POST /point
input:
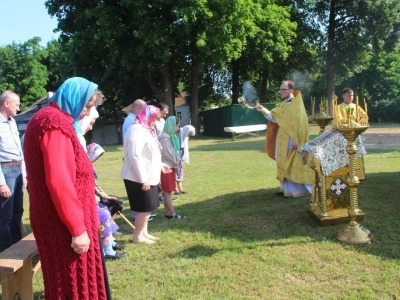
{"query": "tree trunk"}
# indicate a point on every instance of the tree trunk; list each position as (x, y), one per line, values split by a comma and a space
(194, 96)
(159, 94)
(264, 83)
(235, 82)
(167, 89)
(331, 57)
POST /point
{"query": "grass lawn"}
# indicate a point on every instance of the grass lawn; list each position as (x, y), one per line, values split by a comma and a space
(241, 241)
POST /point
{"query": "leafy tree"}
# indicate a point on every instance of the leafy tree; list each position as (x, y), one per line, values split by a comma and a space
(58, 63)
(21, 70)
(355, 30)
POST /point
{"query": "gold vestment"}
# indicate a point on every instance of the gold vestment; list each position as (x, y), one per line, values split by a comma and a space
(291, 122)
(340, 116)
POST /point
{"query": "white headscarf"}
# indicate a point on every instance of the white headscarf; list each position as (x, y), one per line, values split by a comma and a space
(184, 137)
(85, 123)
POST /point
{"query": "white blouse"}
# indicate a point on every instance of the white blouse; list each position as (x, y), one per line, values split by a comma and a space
(142, 156)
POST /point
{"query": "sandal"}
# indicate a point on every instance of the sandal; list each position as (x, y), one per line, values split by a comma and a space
(176, 217)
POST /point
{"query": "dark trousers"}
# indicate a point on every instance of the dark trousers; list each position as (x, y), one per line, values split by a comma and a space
(11, 209)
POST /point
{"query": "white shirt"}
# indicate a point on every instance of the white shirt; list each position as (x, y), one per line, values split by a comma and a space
(142, 156)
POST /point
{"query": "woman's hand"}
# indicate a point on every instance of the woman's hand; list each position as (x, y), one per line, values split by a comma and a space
(80, 243)
(165, 169)
(146, 186)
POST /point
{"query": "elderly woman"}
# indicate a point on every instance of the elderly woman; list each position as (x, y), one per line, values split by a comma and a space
(141, 170)
(170, 148)
(63, 212)
(184, 134)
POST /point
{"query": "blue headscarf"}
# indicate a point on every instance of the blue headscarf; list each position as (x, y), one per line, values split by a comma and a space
(72, 96)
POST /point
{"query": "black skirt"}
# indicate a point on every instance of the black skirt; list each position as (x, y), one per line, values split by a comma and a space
(139, 200)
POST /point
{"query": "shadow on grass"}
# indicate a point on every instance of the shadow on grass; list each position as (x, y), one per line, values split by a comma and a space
(262, 216)
(244, 144)
(196, 252)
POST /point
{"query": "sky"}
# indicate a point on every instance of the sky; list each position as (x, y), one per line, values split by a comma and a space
(21, 20)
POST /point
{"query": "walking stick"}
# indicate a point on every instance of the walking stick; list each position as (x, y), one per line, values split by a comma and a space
(126, 220)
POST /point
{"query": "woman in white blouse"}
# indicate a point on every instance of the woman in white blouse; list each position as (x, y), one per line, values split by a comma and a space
(141, 170)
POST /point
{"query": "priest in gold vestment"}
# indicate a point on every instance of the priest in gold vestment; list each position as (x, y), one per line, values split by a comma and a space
(287, 131)
(340, 117)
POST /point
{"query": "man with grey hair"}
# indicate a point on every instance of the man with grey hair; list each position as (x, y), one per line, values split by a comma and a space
(136, 107)
(12, 172)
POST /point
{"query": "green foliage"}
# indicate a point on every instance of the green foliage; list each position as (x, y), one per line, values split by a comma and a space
(21, 70)
(385, 111)
(58, 63)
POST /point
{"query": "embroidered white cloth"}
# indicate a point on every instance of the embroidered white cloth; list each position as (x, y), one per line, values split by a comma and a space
(330, 150)
(247, 128)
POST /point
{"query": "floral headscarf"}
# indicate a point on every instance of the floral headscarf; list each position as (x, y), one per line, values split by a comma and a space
(72, 96)
(145, 117)
(169, 128)
(94, 151)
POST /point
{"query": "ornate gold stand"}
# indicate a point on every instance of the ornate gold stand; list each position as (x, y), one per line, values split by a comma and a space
(315, 196)
(353, 232)
(322, 122)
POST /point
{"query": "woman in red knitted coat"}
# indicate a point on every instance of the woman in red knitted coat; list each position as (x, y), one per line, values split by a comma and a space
(63, 211)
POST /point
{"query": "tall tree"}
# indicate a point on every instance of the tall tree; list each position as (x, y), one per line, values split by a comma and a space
(58, 64)
(355, 29)
(21, 70)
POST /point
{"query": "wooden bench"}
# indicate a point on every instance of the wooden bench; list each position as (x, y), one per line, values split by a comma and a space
(16, 269)
(248, 129)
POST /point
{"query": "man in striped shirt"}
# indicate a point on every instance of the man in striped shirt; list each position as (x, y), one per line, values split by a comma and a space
(12, 172)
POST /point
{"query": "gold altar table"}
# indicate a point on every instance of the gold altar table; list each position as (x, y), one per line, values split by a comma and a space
(327, 156)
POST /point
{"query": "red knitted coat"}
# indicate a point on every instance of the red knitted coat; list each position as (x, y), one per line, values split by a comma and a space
(66, 274)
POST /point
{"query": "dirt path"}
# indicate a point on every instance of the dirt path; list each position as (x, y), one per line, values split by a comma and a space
(386, 138)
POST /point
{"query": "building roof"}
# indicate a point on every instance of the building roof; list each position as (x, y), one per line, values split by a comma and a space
(181, 99)
(27, 114)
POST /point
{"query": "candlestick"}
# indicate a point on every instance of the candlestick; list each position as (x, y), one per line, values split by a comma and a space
(313, 106)
(357, 114)
(365, 107)
(320, 107)
(334, 112)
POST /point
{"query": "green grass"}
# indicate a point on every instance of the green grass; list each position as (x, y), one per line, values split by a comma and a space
(241, 241)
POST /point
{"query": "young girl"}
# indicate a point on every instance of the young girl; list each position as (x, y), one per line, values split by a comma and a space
(169, 155)
(107, 224)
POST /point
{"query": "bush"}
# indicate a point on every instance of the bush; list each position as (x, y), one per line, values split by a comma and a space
(385, 111)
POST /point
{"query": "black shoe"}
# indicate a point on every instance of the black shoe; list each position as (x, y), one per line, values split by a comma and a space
(279, 193)
(117, 255)
(176, 217)
(118, 247)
